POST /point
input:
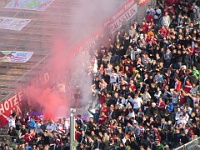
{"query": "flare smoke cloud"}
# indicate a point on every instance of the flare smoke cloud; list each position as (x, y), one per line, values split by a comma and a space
(66, 72)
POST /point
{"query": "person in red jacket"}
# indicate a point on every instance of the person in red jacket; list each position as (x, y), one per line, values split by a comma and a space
(144, 27)
(132, 86)
(161, 105)
(104, 109)
(77, 135)
(178, 84)
(29, 136)
(163, 31)
(191, 50)
(148, 17)
(183, 97)
(103, 118)
(188, 86)
(102, 98)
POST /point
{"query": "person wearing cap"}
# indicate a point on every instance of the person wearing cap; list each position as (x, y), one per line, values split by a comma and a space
(159, 146)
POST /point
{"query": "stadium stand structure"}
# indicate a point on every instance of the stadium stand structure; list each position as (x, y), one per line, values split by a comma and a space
(35, 37)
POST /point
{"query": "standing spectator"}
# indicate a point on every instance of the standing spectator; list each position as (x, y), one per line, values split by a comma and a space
(178, 114)
(10, 119)
(159, 146)
(146, 96)
(137, 102)
(169, 106)
(150, 9)
(162, 32)
(159, 77)
(165, 20)
(157, 95)
(51, 126)
(29, 136)
(161, 105)
(148, 17)
(132, 31)
(32, 123)
(96, 115)
(194, 15)
(178, 84)
(188, 86)
(157, 15)
(187, 59)
(168, 57)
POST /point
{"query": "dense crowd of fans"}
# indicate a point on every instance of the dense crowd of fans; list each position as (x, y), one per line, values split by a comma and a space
(145, 92)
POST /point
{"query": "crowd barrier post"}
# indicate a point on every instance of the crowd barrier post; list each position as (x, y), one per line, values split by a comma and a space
(72, 129)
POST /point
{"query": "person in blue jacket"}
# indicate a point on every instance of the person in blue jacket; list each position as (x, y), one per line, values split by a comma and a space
(31, 123)
(96, 115)
(170, 106)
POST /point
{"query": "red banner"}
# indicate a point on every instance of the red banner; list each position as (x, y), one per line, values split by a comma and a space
(9, 106)
(142, 2)
(14, 103)
(123, 14)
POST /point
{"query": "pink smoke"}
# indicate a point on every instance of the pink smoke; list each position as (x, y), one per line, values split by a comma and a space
(65, 69)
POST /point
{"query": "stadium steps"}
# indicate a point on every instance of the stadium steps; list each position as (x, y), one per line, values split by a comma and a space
(35, 37)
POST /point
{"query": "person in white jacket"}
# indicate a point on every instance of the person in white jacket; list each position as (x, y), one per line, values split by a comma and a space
(166, 20)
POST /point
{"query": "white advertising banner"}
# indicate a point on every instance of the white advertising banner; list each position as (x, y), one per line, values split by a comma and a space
(37, 5)
(123, 14)
(15, 56)
(16, 24)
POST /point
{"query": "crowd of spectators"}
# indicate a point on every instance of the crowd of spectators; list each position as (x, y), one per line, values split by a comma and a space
(145, 92)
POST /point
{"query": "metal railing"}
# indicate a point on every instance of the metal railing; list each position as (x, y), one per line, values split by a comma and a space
(192, 145)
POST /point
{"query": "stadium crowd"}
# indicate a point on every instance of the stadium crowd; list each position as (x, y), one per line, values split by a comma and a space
(145, 92)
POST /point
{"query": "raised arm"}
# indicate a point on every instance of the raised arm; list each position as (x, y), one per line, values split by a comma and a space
(90, 111)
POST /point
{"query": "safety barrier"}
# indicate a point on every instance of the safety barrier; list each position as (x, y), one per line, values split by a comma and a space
(192, 145)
